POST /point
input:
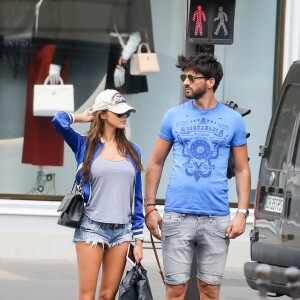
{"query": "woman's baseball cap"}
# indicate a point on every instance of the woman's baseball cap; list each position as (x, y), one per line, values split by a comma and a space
(113, 101)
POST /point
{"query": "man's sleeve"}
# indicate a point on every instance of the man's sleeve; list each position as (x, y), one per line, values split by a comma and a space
(239, 137)
(166, 127)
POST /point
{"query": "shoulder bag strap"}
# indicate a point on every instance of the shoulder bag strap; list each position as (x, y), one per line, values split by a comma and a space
(119, 36)
(73, 187)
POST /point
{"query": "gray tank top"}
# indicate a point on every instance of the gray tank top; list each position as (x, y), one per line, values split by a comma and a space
(111, 191)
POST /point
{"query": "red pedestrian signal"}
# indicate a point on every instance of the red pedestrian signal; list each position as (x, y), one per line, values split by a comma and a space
(199, 17)
(210, 21)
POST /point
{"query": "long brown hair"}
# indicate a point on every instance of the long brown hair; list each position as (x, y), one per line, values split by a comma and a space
(94, 138)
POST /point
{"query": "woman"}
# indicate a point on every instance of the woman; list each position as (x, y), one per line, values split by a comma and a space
(109, 167)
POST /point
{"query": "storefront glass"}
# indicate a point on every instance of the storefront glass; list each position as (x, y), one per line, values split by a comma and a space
(80, 36)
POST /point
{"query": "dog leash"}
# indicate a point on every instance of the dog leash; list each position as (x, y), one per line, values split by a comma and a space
(157, 259)
(154, 249)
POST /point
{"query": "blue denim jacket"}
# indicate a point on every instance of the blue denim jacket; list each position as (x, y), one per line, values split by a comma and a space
(78, 143)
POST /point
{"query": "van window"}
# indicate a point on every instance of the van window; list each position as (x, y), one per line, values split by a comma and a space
(283, 127)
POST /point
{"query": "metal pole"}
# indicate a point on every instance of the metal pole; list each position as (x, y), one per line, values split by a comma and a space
(263, 276)
(292, 275)
(190, 49)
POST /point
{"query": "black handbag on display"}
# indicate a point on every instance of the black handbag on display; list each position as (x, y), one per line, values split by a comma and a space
(135, 285)
(71, 209)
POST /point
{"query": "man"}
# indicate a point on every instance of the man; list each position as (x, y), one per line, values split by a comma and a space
(197, 217)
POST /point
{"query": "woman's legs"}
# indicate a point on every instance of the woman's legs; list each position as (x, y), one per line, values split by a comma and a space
(89, 260)
(112, 270)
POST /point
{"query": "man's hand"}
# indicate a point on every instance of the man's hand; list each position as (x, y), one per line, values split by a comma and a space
(237, 226)
(153, 221)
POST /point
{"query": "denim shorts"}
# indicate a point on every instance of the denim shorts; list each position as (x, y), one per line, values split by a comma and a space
(182, 234)
(109, 235)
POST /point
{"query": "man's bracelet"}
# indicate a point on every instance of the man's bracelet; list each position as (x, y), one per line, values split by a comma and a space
(149, 204)
(147, 214)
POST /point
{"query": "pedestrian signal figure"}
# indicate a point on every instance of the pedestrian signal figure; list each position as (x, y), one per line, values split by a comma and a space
(199, 16)
(222, 17)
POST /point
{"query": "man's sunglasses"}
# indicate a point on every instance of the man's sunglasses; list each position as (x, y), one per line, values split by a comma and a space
(127, 113)
(190, 77)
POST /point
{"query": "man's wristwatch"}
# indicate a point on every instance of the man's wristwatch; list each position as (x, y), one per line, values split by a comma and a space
(244, 211)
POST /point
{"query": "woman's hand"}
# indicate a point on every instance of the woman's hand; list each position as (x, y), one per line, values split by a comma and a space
(138, 251)
(86, 116)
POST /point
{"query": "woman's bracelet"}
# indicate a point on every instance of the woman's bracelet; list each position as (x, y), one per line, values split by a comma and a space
(147, 214)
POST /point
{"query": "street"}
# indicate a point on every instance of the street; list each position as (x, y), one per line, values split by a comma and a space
(57, 280)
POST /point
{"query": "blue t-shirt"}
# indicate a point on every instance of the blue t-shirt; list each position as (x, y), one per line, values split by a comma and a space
(201, 146)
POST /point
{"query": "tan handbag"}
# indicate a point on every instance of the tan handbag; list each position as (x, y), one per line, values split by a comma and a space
(49, 99)
(141, 63)
(144, 63)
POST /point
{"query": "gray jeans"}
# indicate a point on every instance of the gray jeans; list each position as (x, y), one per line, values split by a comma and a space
(182, 234)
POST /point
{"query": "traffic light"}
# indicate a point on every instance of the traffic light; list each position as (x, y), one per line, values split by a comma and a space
(210, 21)
(244, 112)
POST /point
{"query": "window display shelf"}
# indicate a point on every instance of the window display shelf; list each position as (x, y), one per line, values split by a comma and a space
(31, 197)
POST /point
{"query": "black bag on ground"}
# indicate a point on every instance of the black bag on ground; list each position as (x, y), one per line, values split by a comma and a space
(135, 285)
(71, 209)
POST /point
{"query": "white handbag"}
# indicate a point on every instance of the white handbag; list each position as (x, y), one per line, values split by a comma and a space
(49, 99)
(144, 63)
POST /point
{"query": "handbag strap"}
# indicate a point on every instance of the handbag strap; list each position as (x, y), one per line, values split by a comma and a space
(145, 45)
(157, 259)
(119, 37)
(74, 184)
(80, 188)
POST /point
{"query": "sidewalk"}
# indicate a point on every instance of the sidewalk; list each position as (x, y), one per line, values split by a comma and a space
(52, 279)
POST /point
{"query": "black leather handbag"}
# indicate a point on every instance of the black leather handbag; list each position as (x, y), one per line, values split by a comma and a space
(71, 209)
(135, 285)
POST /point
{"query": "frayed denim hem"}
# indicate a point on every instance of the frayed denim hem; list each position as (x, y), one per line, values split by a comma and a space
(118, 243)
(93, 243)
(108, 235)
(104, 244)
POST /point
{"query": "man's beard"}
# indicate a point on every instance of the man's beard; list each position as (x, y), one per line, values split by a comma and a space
(197, 94)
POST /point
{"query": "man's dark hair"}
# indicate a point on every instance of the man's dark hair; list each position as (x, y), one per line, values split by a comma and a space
(202, 63)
